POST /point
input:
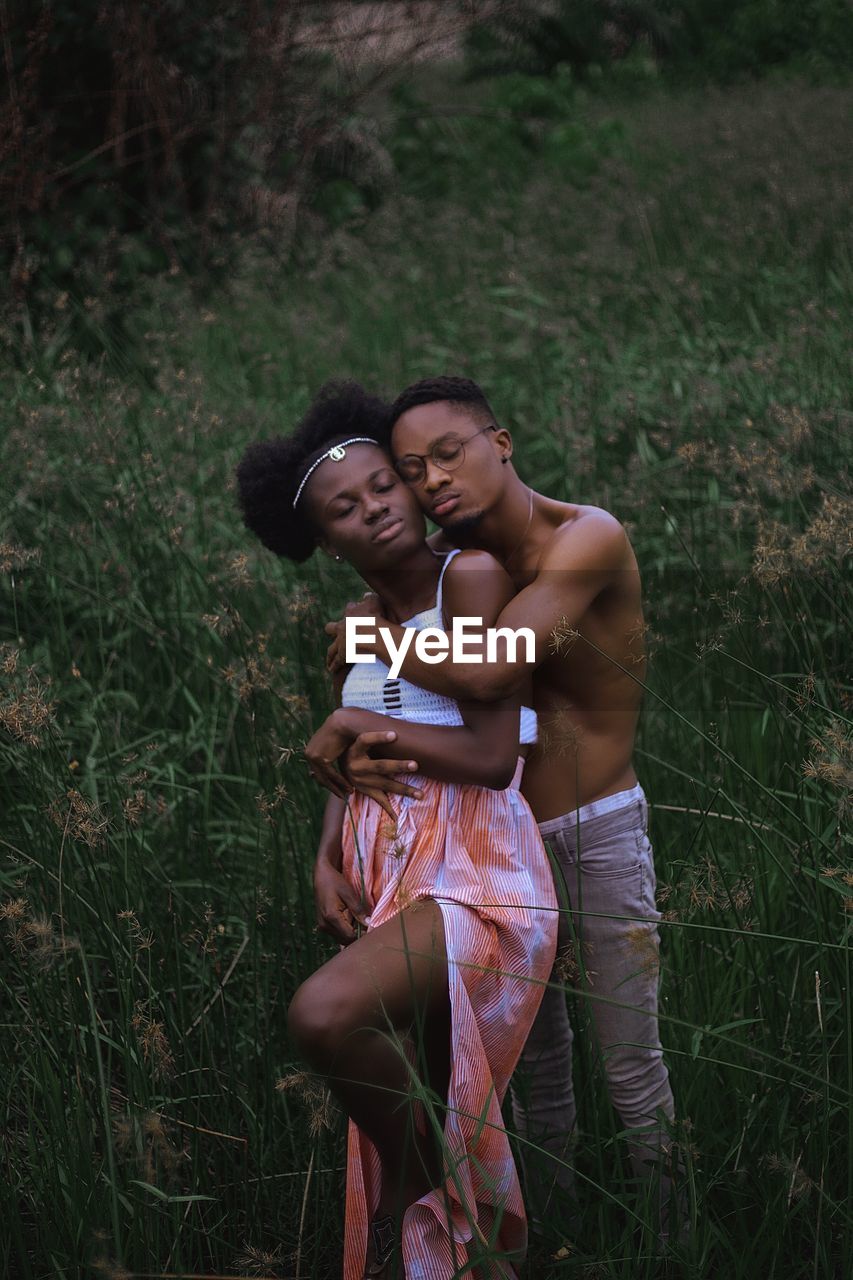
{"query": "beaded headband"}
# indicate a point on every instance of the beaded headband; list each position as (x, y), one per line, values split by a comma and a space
(337, 453)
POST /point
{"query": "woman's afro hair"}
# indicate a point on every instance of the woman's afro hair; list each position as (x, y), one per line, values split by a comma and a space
(270, 471)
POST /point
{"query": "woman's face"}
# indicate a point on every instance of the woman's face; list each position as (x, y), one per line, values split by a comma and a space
(363, 510)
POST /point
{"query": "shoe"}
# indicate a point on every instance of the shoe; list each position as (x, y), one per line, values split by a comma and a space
(382, 1246)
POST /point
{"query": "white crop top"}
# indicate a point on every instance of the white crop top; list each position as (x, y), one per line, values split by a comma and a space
(368, 684)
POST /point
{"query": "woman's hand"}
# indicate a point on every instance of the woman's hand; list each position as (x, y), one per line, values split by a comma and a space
(339, 907)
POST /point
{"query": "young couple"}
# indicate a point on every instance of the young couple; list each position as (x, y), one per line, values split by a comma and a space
(430, 837)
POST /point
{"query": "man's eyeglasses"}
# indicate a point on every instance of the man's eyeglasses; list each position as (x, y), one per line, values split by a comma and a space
(447, 453)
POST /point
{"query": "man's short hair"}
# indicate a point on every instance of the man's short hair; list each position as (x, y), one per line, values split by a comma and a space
(458, 391)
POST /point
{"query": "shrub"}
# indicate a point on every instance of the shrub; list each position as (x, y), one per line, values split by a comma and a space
(143, 138)
(583, 34)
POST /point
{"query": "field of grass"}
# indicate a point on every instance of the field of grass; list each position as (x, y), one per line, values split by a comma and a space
(666, 331)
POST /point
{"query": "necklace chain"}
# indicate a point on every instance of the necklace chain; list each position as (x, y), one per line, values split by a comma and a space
(524, 535)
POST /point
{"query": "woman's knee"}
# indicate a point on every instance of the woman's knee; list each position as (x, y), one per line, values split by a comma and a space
(320, 1019)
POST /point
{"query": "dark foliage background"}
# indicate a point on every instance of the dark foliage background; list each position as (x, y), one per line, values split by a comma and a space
(142, 138)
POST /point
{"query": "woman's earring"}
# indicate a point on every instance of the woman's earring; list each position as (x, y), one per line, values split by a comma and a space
(504, 459)
(337, 557)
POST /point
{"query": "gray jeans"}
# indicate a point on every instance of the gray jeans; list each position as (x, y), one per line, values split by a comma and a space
(608, 952)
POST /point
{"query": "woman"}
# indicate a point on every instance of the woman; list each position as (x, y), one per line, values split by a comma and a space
(448, 874)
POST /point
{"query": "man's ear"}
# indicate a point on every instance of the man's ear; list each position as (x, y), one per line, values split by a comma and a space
(503, 440)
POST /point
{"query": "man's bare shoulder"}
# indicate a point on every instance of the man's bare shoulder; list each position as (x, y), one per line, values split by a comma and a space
(589, 538)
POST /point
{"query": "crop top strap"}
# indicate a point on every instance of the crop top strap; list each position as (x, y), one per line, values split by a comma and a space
(447, 559)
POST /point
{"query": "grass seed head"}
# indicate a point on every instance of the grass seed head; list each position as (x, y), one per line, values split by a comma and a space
(26, 712)
(560, 735)
(643, 943)
(566, 968)
(322, 1108)
(133, 808)
(81, 818)
(831, 761)
(253, 1261)
(563, 638)
(14, 557)
(152, 1039)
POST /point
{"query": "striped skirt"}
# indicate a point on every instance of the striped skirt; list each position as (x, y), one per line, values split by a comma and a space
(478, 853)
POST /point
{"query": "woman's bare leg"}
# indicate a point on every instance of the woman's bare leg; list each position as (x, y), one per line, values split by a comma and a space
(392, 979)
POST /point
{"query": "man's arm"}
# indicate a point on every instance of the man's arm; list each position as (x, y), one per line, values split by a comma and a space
(483, 751)
(581, 560)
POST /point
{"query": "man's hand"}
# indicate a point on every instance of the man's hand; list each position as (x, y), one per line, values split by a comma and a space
(366, 607)
(375, 778)
(330, 742)
(339, 907)
(322, 751)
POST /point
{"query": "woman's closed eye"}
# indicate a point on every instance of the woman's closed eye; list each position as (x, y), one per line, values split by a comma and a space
(344, 510)
(388, 482)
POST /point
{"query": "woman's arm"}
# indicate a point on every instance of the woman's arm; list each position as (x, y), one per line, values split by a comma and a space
(330, 849)
(338, 905)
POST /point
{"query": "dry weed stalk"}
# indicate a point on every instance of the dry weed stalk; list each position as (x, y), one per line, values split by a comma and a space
(25, 710)
(34, 936)
(133, 807)
(820, 548)
(832, 761)
(142, 939)
(144, 1140)
(300, 603)
(152, 1040)
(800, 1184)
(322, 1108)
(268, 805)
(207, 939)
(14, 557)
(253, 1261)
(560, 735)
(563, 638)
(642, 942)
(82, 819)
(566, 967)
(706, 890)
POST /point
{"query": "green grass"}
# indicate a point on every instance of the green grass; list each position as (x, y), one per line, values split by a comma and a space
(665, 335)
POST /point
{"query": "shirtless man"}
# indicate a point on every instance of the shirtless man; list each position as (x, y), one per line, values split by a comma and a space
(579, 591)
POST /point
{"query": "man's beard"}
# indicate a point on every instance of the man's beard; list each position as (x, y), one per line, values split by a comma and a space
(465, 528)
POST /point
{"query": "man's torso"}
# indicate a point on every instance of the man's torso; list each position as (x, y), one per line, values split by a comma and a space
(587, 692)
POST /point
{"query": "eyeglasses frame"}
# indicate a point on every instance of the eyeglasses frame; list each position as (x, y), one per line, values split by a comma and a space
(422, 457)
